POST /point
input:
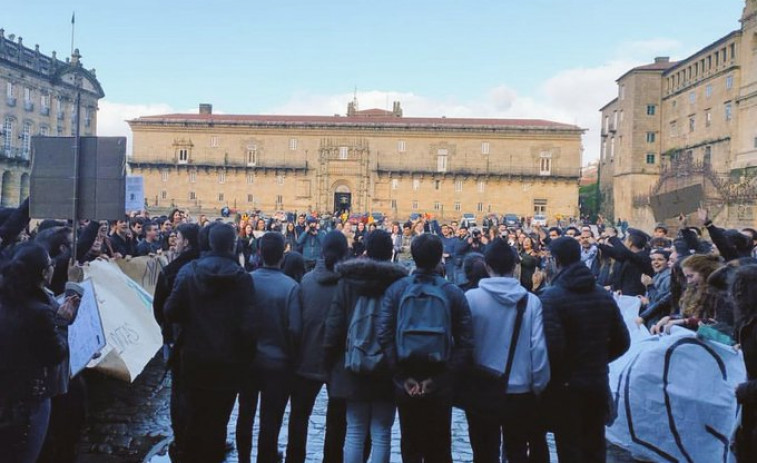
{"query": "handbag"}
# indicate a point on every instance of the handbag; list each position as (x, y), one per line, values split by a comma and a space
(483, 391)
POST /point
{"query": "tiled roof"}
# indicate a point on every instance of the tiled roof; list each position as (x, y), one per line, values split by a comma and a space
(355, 121)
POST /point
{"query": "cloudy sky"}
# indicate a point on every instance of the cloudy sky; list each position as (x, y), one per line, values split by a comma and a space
(545, 59)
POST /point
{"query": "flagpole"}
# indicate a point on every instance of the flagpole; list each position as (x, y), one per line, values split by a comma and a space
(73, 26)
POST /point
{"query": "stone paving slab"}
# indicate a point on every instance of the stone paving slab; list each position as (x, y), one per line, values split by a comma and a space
(128, 422)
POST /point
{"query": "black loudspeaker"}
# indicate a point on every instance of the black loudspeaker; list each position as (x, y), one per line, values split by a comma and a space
(101, 180)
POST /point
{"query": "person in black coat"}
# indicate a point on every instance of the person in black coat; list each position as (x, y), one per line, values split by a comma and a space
(634, 262)
(744, 290)
(33, 351)
(212, 301)
(424, 390)
(187, 248)
(595, 334)
(317, 290)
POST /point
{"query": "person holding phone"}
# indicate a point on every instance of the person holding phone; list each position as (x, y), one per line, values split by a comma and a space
(33, 351)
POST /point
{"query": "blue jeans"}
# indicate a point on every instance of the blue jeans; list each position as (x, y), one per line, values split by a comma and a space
(362, 416)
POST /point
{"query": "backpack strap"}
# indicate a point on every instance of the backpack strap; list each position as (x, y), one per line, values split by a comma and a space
(521, 308)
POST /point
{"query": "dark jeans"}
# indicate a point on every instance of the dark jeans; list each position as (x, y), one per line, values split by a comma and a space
(178, 410)
(425, 427)
(304, 393)
(579, 418)
(274, 388)
(67, 419)
(207, 416)
(22, 430)
(519, 428)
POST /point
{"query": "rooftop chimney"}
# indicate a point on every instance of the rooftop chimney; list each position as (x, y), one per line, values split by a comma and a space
(206, 108)
(662, 59)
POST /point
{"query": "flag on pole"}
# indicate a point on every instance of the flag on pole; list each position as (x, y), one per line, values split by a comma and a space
(73, 17)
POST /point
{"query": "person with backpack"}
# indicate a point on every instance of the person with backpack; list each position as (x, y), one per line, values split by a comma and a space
(510, 364)
(426, 336)
(359, 370)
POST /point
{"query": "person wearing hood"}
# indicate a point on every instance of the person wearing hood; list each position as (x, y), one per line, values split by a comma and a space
(212, 301)
(317, 290)
(511, 376)
(369, 396)
(578, 396)
(278, 328)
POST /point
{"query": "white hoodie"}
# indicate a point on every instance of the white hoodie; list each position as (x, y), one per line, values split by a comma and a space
(493, 308)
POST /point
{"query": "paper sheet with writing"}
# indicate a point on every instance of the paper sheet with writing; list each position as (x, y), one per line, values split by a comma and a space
(85, 336)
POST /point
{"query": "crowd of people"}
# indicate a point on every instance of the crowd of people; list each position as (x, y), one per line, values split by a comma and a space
(515, 325)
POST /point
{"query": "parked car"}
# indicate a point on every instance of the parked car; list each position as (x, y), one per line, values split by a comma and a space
(469, 220)
(539, 219)
(511, 220)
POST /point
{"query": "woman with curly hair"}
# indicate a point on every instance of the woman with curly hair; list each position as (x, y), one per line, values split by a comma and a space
(696, 304)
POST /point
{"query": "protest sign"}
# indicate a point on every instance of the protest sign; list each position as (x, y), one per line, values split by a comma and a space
(135, 193)
(674, 394)
(131, 333)
(85, 336)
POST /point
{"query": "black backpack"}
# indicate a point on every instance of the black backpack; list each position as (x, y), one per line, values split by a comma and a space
(363, 354)
(424, 322)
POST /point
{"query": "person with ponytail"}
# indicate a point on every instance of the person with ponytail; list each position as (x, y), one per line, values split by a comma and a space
(33, 351)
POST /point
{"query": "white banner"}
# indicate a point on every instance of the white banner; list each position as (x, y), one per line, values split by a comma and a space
(675, 395)
(131, 333)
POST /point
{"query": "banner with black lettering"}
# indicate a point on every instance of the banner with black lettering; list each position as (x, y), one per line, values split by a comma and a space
(674, 394)
(132, 336)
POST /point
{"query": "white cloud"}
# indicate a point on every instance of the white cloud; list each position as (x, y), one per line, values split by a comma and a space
(112, 117)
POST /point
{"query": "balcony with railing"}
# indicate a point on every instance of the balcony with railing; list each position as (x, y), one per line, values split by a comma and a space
(44, 110)
(28, 105)
(499, 171)
(226, 161)
(10, 101)
(14, 154)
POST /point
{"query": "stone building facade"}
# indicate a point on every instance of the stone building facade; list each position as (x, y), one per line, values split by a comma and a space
(685, 133)
(366, 161)
(40, 95)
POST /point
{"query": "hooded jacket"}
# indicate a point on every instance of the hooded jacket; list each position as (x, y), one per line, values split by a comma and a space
(594, 330)
(359, 277)
(213, 302)
(493, 312)
(317, 290)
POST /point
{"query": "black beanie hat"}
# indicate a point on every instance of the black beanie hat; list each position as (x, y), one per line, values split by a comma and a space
(565, 250)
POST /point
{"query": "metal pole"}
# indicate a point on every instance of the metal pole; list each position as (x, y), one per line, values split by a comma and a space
(598, 197)
(77, 143)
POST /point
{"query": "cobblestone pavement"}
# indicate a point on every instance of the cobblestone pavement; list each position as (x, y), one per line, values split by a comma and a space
(128, 422)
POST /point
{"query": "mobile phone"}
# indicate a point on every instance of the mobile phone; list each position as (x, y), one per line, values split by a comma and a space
(74, 289)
